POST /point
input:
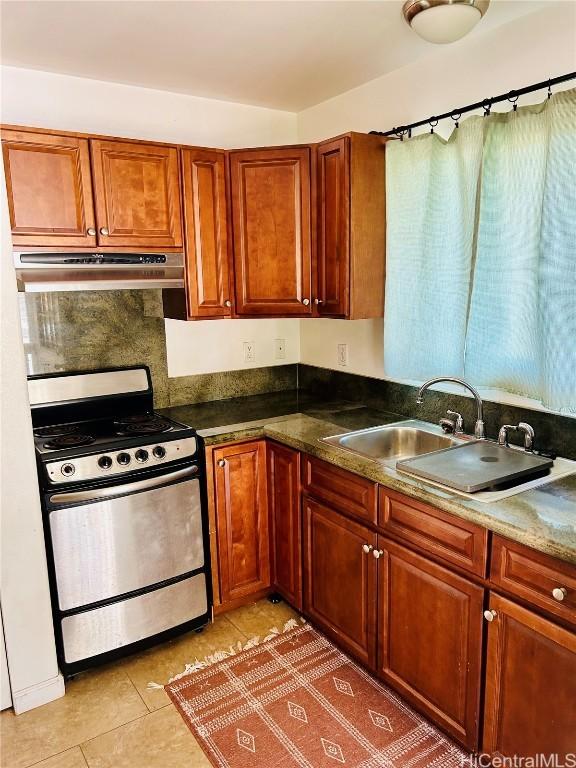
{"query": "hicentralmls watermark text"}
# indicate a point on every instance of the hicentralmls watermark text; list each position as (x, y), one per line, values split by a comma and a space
(483, 760)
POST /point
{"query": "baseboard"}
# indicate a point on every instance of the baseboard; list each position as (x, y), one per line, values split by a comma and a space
(36, 695)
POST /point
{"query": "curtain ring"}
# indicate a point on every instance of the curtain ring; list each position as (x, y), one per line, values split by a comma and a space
(433, 122)
(513, 98)
(549, 88)
(487, 104)
(456, 117)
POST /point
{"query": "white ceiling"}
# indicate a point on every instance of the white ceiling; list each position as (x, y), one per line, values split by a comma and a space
(285, 55)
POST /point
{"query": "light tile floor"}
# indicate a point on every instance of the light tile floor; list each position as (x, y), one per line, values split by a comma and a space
(109, 717)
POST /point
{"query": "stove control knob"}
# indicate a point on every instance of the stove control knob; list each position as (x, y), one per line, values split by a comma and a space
(104, 462)
(141, 455)
(159, 451)
(124, 459)
(67, 470)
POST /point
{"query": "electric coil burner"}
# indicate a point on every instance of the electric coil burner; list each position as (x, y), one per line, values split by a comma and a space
(70, 440)
(124, 506)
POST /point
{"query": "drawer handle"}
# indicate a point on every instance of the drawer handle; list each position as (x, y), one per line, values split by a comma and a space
(367, 548)
(490, 615)
(222, 462)
(559, 593)
(377, 553)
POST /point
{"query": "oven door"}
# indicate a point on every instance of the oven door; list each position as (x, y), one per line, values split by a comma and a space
(107, 542)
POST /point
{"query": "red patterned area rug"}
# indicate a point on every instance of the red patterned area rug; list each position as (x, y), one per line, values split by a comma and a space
(296, 700)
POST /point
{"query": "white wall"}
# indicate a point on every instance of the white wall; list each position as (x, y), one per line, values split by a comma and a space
(48, 100)
(24, 592)
(218, 345)
(529, 50)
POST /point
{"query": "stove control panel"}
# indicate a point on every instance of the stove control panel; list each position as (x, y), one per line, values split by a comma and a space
(112, 463)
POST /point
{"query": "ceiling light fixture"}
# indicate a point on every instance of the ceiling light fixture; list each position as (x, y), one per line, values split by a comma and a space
(443, 21)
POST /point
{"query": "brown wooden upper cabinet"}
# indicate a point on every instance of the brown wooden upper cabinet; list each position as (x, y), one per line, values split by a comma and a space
(209, 292)
(137, 194)
(271, 214)
(49, 189)
(351, 220)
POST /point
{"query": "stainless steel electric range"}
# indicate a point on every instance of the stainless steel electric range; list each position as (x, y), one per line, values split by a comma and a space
(125, 519)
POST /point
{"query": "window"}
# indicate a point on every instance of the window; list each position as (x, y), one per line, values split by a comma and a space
(481, 254)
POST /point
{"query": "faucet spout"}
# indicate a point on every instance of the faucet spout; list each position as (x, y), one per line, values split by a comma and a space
(479, 426)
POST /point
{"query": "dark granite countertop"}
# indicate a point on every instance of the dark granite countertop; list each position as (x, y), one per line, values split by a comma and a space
(543, 518)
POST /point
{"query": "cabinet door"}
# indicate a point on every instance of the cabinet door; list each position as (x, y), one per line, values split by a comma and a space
(333, 227)
(137, 193)
(49, 189)
(242, 519)
(271, 218)
(430, 634)
(340, 579)
(285, 518)
(530, 684)
(206, 231)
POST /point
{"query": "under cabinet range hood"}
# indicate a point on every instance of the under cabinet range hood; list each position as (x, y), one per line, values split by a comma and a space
(42, 271)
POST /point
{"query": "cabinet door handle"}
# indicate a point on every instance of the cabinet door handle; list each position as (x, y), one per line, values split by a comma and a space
(104, 231)
(377, 553)
(227, 303)
(318, 301)
(221, 462)
(490, 615)
(367, 548)
(91, 231)
(559, 593)
(305, 302)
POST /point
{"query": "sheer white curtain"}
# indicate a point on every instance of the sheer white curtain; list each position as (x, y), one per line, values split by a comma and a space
(430, 215)
(522, 326)
(496, 302)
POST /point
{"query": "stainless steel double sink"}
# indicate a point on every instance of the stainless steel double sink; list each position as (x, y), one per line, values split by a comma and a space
(465, 464)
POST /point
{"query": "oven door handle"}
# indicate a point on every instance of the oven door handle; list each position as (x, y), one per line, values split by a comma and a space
(73, 497)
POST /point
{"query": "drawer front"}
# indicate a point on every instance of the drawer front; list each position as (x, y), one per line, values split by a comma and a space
(434, 532)
(113, 626)
(535, 577)
(343, 490)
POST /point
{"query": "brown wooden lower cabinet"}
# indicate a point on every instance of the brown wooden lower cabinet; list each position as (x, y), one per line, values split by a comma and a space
(241, 519)
(530, 705)
(285, 522)
(430, 639)
(340, 579)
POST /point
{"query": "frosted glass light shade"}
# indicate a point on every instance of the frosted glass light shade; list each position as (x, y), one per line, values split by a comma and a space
(443, 22)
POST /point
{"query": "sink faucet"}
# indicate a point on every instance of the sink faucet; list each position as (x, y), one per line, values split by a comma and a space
(479, 426)
(526, 429)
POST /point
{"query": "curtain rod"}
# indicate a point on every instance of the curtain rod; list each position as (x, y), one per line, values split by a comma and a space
(485, 104)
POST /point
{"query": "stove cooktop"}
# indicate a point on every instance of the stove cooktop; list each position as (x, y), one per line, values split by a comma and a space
(109, 434)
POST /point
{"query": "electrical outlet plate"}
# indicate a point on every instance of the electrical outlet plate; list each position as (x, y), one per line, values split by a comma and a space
(249, 352)
(280, 349)
(343, 354)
